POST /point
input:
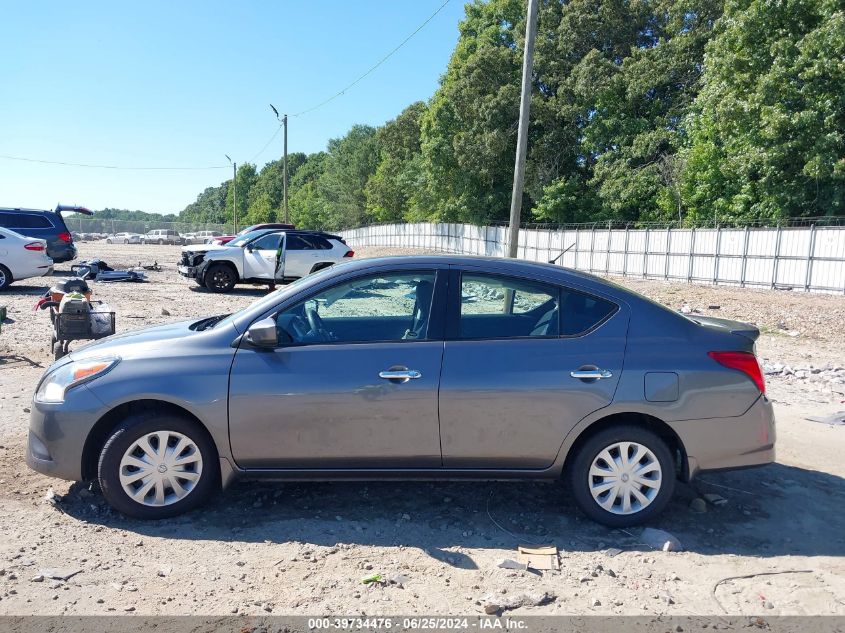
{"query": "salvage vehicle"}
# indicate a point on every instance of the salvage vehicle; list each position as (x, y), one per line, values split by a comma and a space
(261, 257)
(124, 238)
(412, 367)
(22, 257)
(46, 225)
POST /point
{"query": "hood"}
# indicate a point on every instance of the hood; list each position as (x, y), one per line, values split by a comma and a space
(150, 339)
(734, 327)
(201, 248)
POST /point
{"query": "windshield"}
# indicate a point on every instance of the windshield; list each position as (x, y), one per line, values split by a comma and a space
(247, 237)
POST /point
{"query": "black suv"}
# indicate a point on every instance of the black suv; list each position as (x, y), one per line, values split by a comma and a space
(47, 225)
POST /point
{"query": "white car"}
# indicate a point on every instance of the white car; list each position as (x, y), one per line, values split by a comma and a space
(124, 238)
(264, 256)
(22, 257)
(201, 237)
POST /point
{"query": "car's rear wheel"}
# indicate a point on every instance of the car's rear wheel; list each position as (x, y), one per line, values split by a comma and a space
(158, 465)
(160, 242)
(220, 278)
(6, 278)
(125, 241)
(623, 476)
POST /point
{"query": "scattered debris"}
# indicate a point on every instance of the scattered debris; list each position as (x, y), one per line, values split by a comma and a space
(494, 604)
(509, 563)
(400, 580)
(714, 499)
(610, 552)
(745, 576)
(596, 602)
(835, 419)
(164, 572)
(165, 312)
(372, 578)
(658, 539)
(698, 505)
(59, 574)
(545, 557)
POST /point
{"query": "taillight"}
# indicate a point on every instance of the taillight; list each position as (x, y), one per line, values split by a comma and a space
(746, 362)
(350, 254)
(65, 237)
(34, 246)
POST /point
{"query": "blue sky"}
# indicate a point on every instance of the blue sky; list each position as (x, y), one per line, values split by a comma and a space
(159, 83)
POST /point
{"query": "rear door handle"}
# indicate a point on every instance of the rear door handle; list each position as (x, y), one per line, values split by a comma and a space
(400, 374)
(591, 374)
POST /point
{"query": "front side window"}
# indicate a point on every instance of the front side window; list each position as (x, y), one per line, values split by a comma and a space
(502, 307)
(267, 243)
(382, 307)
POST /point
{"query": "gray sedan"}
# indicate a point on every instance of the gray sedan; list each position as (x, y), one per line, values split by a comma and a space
(414, 367)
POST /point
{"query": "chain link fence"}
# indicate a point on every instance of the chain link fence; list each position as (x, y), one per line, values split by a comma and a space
(92, 228)
(810, 258)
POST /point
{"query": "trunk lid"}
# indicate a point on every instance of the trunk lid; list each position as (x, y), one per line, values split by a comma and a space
(727, 325)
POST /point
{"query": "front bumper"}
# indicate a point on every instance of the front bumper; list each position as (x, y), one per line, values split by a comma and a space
(57, 433)
(729, 443)
(187, 271)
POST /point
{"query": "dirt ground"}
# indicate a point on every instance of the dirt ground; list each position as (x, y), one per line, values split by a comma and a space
(305, 548)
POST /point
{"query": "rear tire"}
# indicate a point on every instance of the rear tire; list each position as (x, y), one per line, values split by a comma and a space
(220, 278)
(6, 278)
(623, 476)
(160, 242)
(187, 480)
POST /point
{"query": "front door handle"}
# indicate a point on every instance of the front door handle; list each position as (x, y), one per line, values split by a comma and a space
(591, 374)
(400, 374)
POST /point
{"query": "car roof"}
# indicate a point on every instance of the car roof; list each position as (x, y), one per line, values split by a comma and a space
(502, 265)
(25, 210)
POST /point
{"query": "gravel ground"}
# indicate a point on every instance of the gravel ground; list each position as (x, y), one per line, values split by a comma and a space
(304, 548)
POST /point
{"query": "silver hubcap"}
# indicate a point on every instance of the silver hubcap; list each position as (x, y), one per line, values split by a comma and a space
(160, 468)
(625, 478)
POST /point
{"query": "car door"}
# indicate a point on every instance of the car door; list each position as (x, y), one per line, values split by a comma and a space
(300, 256)
(263, 256)
(524, 362)
(354, 386)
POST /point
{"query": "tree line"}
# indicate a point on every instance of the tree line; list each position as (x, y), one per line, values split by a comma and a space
(642, 111)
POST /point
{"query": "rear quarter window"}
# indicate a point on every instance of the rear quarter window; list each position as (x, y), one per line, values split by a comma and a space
(581, 313)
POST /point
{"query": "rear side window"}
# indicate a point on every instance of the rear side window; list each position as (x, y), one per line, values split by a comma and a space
(317, 243)
(581, 313)
(502, 307)
(297, 243)
(24, 221)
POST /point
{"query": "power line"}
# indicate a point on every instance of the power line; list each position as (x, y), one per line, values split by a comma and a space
(122, 167)
(379, 63)
(267, 144)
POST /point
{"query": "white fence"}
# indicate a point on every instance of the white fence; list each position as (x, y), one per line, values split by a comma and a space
(801, 258)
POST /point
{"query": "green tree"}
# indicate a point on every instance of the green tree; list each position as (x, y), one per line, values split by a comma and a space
(350, 163)
(246, 178)
(390, 190)
(266, 194)
(768, 130)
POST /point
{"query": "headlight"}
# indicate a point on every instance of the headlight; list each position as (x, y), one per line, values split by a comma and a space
(56, 383)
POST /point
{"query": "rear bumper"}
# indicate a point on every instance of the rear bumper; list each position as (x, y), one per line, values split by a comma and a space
(729, 443)
(63, 252)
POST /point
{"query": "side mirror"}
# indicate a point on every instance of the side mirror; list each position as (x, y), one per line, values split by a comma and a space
(263, 333)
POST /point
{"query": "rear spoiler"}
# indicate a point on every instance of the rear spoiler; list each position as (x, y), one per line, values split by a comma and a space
(72, 208)
(734, 327)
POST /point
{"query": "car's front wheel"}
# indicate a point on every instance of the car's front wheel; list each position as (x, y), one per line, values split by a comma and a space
(158, 465)
(623, 475)
(220, 278)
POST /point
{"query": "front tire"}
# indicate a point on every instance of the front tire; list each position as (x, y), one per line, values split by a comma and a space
(160, 242)
(623, 476)
(158, 465)
(220, 278)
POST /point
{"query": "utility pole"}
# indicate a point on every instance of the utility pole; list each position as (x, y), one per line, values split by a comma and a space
(284, 121)
(234, 196)
(522, 134)
(285, 170)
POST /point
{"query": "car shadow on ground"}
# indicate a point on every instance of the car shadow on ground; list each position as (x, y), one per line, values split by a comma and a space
(772, 511)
